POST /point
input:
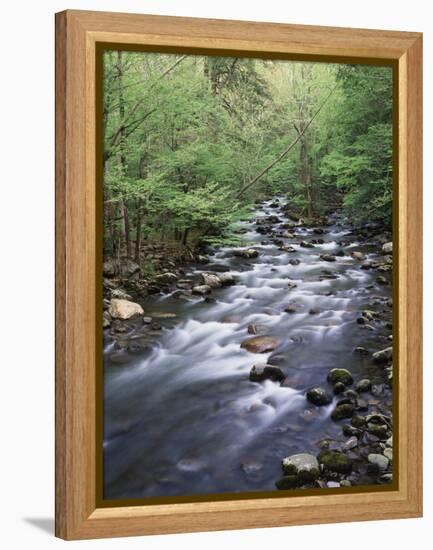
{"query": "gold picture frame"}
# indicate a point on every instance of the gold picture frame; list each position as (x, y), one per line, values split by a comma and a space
(80, 39)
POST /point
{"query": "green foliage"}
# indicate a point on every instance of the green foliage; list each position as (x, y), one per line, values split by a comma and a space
(184, 134)
(359, 162)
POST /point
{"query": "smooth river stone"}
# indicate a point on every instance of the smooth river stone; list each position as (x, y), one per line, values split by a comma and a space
(260, 344)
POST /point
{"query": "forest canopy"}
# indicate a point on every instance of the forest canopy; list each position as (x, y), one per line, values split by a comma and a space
(191, 142)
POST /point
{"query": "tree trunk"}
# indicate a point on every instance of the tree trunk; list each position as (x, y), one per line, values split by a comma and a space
(127, 228)
(185, 237)
(306, 175)
(123, 163)
(138, 232)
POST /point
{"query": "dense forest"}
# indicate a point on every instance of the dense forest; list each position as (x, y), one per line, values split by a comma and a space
(191, 142)
(248, 266)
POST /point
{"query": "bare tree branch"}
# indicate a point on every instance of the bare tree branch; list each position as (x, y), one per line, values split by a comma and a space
(117, 133)
(286, 151)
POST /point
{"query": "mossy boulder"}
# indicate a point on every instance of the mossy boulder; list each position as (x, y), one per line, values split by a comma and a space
(379, 430)
(344, 410)
(287, 482)
(266, 372)
(339, 387)
(358, 421)
(363, 385)
(335, 461)
(319, 397)
(303, 465)
(340, 375)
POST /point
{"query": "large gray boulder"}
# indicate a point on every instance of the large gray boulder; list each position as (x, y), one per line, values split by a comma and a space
(125, 268)
(387, 248)
(378, 461)
(201, 290)
(124, 309)
(303, 465)
(212, 280)
(227, 279)
(166, 278)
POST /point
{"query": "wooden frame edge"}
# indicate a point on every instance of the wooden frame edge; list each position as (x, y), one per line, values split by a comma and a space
(76, 514)
(60, 263)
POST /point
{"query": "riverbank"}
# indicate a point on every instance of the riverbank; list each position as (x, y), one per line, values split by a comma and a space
(233, 360)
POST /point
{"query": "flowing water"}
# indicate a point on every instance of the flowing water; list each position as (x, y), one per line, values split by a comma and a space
(183, 418)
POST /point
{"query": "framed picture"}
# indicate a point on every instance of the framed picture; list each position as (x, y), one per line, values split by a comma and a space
(238, 274)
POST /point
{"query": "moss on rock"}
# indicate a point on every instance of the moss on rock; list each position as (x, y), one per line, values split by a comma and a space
(335, 461)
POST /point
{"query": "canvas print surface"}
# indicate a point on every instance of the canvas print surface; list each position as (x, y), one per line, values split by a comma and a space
(247, 240)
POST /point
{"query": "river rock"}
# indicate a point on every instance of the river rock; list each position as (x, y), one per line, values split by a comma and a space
(333, 484)
(380, 462)
(388, 453)
(358, 421)
(306, 244)
(277, 359)
(163, 315)
(209, 279)
(351, 396)
(387, 248)
(292, 308)
(125, 268)
(294, 261)
(319, 397)
(327, 257)
(247, 253)
(383, 356)
(201, 290)
(386, 478)
(379, 430)
(106, 319)
(256, 329)
(382, 280)
(351, 443)
(166, 278)
(227, 279)
(291, 285)
(357, 255)
(120, 294)
(343, 410)
(340, 375)
(350, 431)
(287, 482)
(266, 372)
(345, 483)
(338, 388)
(260, 344)
(303, 465)
(362, 405)
(335, 461)
(363, 385)
(124, 309)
